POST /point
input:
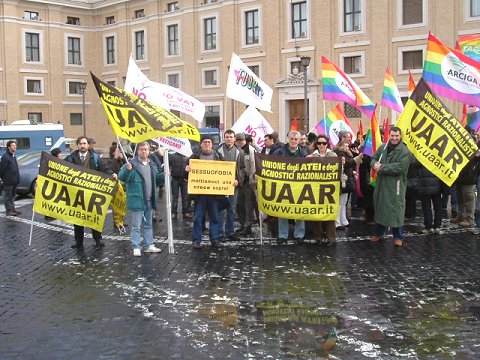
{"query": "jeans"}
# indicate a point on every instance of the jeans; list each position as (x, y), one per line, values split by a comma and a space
(342, 211)
(453, 200)
(397, 232)
(226, 223)
(432, 221)
(142, 218)
(205, 204)
(79, 232)
(9, 194)
(179, 184)
(298, 233)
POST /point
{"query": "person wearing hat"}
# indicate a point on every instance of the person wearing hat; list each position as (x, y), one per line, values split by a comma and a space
(246, 192)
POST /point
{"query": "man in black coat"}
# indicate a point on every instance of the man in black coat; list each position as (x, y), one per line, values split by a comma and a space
(10, 176)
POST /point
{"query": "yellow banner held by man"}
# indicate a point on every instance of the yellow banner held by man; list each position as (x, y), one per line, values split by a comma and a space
(211, 177)
(434, 136)
(140, 120)
(298, 188)
(72, 193)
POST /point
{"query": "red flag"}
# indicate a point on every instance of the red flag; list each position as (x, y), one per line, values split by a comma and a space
(386, 130)
(411, 83)
(360, 130)
(294, 125)
(464, 115)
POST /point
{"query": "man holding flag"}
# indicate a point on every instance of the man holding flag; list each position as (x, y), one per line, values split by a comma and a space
(391, 162)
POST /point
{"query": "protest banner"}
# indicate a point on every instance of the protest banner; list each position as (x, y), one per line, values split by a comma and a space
(298, 188)
(434, 136)
(140, 120)
(210, 177)
(253, 123)
(72, 193)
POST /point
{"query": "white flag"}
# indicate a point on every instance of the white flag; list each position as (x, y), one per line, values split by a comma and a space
(162, 95)
(253, 123)
(244, 86)
(180, 145)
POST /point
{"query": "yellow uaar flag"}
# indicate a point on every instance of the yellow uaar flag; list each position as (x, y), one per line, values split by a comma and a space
(72, 193)
(139, 120)
(434, 136)
(298, 188)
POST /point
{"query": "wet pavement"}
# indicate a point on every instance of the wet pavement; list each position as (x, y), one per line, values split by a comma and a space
(246, 301)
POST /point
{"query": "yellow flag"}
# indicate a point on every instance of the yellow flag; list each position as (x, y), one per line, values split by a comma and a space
(434, 136)
(139, 120)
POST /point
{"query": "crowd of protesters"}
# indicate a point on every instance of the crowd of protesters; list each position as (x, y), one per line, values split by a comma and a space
(388, 201)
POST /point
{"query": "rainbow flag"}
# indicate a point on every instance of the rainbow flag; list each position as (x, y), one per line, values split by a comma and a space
(411, 83)
(360, 130)
(451, 74)
(464, 115)
(339, 86)
(473, 120)
(323, 127)
(470, 46)
(373, 139)
(391, 96)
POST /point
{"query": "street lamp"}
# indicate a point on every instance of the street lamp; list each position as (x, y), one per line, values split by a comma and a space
(305, 61)
(83, 87)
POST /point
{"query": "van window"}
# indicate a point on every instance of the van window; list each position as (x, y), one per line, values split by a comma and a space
(22, 143)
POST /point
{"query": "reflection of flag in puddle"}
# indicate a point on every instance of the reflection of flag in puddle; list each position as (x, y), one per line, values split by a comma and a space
(226, 314)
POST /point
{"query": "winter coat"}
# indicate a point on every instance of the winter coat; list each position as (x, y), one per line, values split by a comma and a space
(135, 184)
(95, 163)
(9, 169)
(391, 185)
(351, 162)
(178, 162)
(240, 163)
(469, 173)
(284, 151)
(249, 165)
(428, 183)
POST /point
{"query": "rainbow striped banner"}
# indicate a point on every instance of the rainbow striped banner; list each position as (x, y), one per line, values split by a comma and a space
(411, 83)
(340, 87)
(451, 74)
(373, 139)
(391, 96)
(470, 46)
(334, 122)
(473, 120)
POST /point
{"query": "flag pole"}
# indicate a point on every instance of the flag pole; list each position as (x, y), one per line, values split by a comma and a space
(31, 228)
(168, 199)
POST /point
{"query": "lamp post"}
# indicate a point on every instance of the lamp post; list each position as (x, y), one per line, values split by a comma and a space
(305, 61)
(83, 87)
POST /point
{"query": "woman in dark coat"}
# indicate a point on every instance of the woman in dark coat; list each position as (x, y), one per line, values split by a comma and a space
(430, 192)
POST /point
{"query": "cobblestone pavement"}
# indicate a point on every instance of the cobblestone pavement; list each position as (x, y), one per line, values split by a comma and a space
(245, 301)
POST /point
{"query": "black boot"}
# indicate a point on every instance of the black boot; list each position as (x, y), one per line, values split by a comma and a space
(99, 244)
(78, 245)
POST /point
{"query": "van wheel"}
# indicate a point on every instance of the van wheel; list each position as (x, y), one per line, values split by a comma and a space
(33, 187)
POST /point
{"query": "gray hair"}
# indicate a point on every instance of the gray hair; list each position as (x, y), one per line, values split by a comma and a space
(293, 133)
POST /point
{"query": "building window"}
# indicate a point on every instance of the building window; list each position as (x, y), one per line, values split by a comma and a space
(139, 45)
(212, 116)
(139, 13)
(299, 20)
(352, 64)
(73, 20)
(34, 86)
(172, 31)
(74, 56)
(111, 82)
(172, 6)
(352, 15)
(297, 65)
(210, 31)
(109, 20)
(35, 117)
(210, 78)
(110, 49)
(412, 12)
(412, 60)
(209, 1)
(255, 69)
(32, 47)
(76, 119)
(252, 29)
(474, 8)
(351, 111)
(173, 80)
(74, 88)
(30, 15)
